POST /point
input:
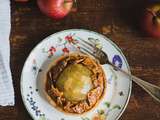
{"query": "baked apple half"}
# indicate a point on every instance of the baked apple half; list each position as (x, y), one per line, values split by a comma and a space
(75, 83)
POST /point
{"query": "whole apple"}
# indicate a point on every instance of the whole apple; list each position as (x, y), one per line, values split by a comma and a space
(151, 20)
(56, 9)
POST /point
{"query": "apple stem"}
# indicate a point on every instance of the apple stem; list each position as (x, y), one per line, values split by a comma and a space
(152, 12)
(74, 9)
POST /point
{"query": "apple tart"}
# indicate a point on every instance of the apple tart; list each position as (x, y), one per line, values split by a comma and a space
(75, 83)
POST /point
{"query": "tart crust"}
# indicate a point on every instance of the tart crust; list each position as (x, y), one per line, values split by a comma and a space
(57, 98)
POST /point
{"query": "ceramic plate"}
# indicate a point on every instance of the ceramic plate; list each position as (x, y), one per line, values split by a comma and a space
(118, 88)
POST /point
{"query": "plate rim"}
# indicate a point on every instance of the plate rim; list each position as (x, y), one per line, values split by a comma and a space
(84, 30)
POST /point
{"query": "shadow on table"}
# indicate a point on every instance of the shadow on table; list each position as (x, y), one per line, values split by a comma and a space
(130, 12)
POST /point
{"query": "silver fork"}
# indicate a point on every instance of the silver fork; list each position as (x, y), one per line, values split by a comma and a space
(102, 57)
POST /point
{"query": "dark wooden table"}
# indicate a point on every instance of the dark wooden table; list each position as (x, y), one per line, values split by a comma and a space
(117, 19)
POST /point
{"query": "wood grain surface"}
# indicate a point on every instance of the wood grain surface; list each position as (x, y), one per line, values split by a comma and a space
(116, 19)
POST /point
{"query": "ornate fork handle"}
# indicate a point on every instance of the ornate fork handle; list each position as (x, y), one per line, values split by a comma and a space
(151, 89)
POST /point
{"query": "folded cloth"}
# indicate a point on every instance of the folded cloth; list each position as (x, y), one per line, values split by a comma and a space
(6, 86)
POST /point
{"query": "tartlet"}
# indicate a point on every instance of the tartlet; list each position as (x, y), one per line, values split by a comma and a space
(75, 83)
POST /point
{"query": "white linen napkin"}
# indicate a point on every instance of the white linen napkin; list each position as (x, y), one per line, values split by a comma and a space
(6, 86)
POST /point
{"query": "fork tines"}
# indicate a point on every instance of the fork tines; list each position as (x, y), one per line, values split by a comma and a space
(87, 47)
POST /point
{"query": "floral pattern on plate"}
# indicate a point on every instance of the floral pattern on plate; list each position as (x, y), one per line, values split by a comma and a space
(112, 105)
